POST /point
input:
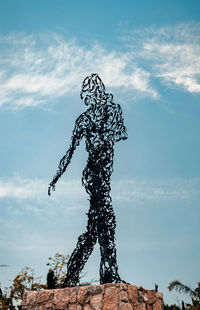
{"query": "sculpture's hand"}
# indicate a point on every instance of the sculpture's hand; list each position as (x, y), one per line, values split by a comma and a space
(51, 188)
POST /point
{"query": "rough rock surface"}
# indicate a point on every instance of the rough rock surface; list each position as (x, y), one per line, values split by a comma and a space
(94, 297)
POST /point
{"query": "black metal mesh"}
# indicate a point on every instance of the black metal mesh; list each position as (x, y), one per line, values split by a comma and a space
(101, 125)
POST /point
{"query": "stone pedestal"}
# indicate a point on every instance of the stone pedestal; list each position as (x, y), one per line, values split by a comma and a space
(94, 297)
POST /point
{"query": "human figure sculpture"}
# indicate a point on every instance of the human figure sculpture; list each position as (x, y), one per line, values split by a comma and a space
(102, 125)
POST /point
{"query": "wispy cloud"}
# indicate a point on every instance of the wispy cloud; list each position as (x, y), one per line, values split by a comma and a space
(157, 189)
(24, 188)
(34, 191)
(35, 70)
(40, 69)
(171, 53)
(31, 195)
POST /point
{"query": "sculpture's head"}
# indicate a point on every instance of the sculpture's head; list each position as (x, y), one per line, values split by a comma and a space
(93, 89)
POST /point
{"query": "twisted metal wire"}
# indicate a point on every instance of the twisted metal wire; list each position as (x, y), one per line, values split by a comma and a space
(102, 125)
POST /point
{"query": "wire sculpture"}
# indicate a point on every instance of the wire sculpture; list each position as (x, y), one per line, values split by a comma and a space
(102, 125)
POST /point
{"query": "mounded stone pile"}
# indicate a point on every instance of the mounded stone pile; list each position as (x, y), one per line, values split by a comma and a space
(94, 297)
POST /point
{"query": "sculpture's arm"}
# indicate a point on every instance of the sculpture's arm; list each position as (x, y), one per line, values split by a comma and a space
(66, 159)
(121, 133)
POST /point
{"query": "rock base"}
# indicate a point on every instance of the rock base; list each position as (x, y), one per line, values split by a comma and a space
(94, 297)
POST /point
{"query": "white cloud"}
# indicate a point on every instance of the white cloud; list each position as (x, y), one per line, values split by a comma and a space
(24, 188)
(157, 189)
(35, 70)
(172, 54)
(126, 190)
(31, 195)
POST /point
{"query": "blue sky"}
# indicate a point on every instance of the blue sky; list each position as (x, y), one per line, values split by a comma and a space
(147, 54)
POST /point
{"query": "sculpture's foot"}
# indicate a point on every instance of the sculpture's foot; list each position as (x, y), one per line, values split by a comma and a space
(108, 277)
(122, 281)
(119, 280)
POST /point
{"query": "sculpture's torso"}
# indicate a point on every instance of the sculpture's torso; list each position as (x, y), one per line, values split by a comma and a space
(101, 125)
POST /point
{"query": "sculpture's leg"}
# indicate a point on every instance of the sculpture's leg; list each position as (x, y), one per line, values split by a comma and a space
(82, 252)
(106, 237)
